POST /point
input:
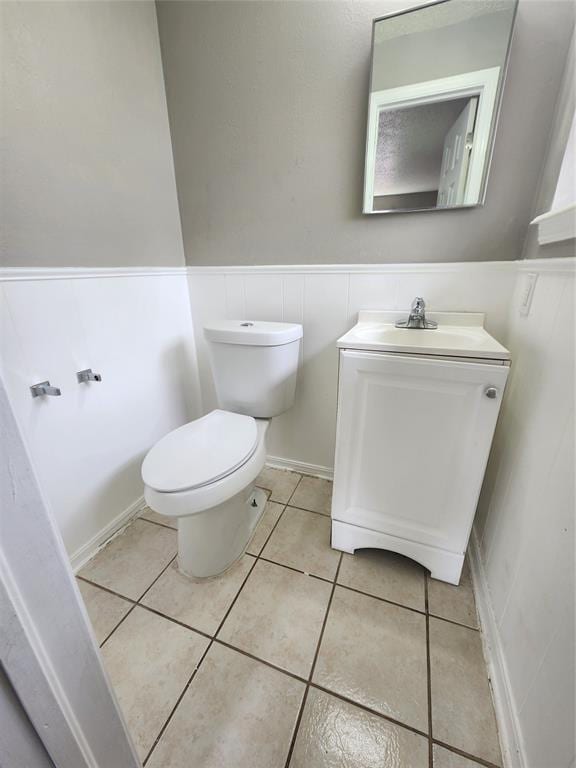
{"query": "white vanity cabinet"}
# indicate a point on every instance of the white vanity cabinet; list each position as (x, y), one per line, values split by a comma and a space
(413, 438)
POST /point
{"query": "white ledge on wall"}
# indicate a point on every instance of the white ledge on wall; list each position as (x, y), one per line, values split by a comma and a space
(375, 268)
(557, 225)
(8, 274)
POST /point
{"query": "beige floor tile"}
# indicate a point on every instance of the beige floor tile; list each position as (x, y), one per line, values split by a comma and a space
(385, 574)
(268, 520)
(302, 540)
(200, 603)
(375, 653)
(156, 517)
(454, 603)
(278, 617)
(104, 609)
(280, 482)
(443, 758)
(150, 660)
(462, 711)
(238, 713)
(315, 494)
(334, 733)
(131, 561)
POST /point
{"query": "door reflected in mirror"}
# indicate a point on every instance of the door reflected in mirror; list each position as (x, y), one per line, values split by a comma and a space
(436, 82)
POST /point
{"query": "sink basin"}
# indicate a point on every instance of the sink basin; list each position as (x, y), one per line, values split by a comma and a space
(388, 334)
(459, 334)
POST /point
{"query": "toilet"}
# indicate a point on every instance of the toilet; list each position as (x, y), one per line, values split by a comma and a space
(203, 473)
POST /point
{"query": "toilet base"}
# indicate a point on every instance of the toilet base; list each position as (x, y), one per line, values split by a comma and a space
(210, 542)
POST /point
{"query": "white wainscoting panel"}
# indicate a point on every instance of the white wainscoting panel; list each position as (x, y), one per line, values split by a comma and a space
(87, 445)
(327, 299)
(525, 525)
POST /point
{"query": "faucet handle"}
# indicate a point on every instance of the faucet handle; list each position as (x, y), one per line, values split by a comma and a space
(418, 303)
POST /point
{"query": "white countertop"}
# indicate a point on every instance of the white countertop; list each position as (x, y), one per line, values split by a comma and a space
(459, 334)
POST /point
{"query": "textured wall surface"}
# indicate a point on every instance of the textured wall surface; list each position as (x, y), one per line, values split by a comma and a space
(268, 102)
(87, 171)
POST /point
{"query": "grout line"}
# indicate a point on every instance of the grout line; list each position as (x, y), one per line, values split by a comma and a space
(269, 664)
(137, 602)
(297, 570)
(202, 632)
(269, 492)
(334, 584)
(368, 709)
(467, 755)
(428, 676)
(178, 700)
(155, 522)
(122, 620)
(313, 511)
(385, 599)
(172, 559)
(295, 489)
(451, 621)
(313, 666)
(398, 605)
(106, 589)
(297, 726)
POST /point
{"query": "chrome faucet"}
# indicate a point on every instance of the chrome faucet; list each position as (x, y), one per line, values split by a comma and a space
(417, 317)
(44, 388)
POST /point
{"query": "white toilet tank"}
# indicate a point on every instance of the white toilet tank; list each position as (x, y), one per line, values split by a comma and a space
(254, 364)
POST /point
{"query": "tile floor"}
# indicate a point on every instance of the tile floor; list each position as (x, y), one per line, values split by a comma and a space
(297, 657)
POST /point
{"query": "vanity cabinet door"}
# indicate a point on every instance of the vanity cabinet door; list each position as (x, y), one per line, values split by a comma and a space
(413, 439)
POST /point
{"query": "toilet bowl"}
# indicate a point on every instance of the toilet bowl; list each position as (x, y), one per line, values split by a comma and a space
(204, 473)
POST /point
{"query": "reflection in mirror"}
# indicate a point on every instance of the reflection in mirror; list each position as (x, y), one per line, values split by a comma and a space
(437, 74)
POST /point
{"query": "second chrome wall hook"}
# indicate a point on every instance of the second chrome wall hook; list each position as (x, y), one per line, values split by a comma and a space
(87, 375)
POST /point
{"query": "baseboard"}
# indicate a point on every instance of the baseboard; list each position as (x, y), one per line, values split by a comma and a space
(316, 470)
(88, 550)
(508, 724)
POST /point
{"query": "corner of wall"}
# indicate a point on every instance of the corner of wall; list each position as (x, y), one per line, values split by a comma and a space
(552, 162)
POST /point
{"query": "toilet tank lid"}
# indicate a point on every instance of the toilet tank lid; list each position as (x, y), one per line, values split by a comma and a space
(253, 332)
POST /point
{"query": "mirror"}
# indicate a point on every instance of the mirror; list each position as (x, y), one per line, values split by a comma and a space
(435, 89)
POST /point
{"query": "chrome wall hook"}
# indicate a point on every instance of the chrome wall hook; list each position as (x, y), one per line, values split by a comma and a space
(87, 375)
(44, 388)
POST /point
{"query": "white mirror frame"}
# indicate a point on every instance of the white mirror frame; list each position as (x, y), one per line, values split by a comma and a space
(482, 83)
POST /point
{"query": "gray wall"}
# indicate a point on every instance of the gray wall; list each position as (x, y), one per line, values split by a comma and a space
(267, 103)
(87, 170)
(563, 116)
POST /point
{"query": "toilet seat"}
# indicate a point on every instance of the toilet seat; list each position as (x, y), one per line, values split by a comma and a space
(201, 452)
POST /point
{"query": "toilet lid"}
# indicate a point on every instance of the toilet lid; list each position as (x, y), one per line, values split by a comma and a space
(200, 452)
